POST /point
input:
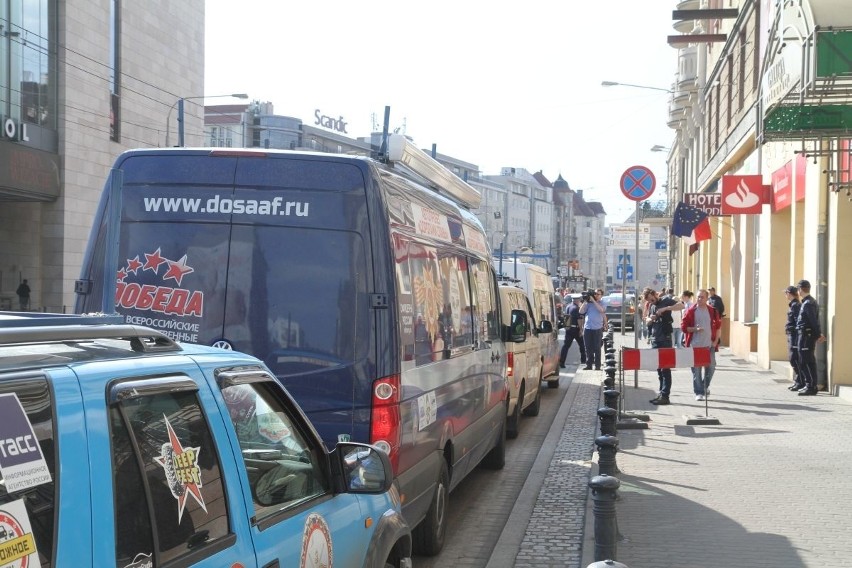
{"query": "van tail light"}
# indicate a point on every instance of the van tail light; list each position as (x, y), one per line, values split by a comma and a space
(385, 427)
(510, 364)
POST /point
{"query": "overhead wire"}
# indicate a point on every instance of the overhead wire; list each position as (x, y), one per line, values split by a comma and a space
(59, 55)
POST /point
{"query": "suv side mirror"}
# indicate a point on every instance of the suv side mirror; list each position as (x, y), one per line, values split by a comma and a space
(366, 469)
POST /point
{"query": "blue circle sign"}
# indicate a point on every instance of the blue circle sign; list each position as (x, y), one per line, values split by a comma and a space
(638, 183)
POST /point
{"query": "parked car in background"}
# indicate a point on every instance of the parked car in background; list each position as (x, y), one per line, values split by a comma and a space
(124, 448)
(614, 311)
(524, 360)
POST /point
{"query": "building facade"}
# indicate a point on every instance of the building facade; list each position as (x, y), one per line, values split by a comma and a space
(80, 82)
(762, 109)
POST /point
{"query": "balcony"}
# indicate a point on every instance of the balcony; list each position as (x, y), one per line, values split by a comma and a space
(686, 26)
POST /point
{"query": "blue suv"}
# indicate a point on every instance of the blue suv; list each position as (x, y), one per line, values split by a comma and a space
(120, 447)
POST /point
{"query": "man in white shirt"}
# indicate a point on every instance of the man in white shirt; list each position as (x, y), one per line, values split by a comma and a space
(701, 324)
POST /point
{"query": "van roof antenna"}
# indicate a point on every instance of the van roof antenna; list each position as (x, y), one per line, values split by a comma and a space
(383, 149)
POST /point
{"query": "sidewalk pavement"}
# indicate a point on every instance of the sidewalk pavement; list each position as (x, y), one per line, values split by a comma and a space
(770, 486)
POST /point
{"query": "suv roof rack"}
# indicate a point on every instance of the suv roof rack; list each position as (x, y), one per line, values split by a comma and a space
(40, 319)
(34, 327)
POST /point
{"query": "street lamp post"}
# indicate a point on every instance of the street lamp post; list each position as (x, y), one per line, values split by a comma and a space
(179, 104)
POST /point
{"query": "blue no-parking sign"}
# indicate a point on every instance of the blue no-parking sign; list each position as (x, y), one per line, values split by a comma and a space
(638, 183)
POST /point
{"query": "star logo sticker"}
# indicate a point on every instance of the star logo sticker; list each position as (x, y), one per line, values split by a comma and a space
(182, 472)
(177, 270)
(120, 275)
(133, 264)
(153, 261)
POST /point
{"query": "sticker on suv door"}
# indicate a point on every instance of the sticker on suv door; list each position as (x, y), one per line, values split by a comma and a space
(17, 545)
(22, 464)
(182, 472)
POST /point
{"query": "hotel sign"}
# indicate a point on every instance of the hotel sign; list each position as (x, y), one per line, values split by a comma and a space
(710, 203)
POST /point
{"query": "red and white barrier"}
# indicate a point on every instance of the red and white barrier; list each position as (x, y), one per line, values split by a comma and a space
(664, 358)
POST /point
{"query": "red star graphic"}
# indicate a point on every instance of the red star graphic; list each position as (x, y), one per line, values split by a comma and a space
(153, 261)
(177, 270)
(193, 488)
(120, 275)
(133, 265)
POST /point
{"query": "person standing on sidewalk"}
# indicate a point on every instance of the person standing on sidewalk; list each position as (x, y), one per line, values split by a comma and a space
(593, 312)
(677, 317)
(23, 293)
(701, 324)
(808, 335)
(573, 332)
(793, 307)
(716, 301)
(659, 318)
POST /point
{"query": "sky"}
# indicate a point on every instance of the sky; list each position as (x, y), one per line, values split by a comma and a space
(493, 83)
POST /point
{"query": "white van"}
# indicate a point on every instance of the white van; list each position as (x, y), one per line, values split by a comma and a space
(524, 360)
(536, 282)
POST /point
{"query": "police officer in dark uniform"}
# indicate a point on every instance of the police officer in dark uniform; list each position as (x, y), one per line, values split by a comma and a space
(793, 306)
(573, 332)
(809, 333)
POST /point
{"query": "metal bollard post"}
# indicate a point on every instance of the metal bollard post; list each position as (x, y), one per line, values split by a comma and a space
(608, 418)
(607, 564)
(604, 489)
(609, 382)
(611, 398)
(607, 448)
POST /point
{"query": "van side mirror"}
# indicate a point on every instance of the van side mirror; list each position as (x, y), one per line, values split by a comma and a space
(546, 327)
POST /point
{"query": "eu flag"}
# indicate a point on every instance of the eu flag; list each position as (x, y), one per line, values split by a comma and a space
(690, 222)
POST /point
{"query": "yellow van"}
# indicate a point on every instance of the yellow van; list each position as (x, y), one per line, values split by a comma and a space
(524, 358)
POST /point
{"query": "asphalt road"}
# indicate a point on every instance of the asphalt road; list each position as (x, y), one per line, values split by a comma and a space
(480, 506)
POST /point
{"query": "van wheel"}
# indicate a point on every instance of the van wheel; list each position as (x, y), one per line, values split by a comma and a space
(514, 420)
(553, 383)
(496, 458)
(532, 410)
(430, 533)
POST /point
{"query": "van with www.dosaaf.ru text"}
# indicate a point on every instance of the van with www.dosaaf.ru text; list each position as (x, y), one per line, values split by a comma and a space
(366, 286)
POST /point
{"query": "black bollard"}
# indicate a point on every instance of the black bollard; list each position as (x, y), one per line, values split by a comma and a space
(611, 398)
(607, 448)
(608, 418)
(607, 564)
(609, 381)
(604, 488)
